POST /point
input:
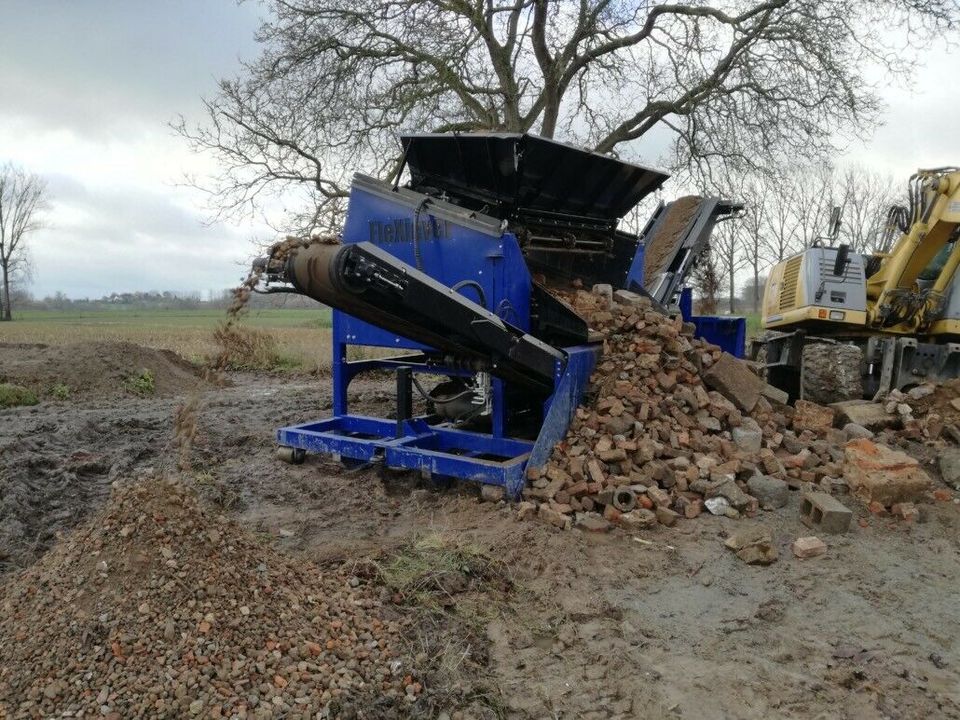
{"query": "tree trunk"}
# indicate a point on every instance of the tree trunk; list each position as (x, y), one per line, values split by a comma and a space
(733, 289)
(6, 295)
(756, 288)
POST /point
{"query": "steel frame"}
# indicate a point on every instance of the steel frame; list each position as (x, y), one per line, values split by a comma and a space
(440, 449)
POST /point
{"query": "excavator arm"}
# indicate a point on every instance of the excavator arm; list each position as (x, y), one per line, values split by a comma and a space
(908, 292)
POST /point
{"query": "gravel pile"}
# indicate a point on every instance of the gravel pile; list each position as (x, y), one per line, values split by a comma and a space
(159, 608)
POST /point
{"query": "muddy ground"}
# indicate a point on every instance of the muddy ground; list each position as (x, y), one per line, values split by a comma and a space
(594, 626)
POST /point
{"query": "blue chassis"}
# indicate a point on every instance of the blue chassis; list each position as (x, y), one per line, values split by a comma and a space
(442, 450)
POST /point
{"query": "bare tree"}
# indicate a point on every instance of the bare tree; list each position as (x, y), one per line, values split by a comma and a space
(22, 201)
(739, 243)
(867, 197)
(733, 81)
(757, 193)
(727, 257)
(707, 282)
(812, 199)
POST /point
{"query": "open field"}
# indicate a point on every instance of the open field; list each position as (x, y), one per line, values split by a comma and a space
(302, 335)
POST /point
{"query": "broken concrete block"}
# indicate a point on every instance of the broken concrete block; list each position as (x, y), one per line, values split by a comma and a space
(733, 379)
(666, 516)
(732, 493)
(949, 462)
(774, 394)
(808, 547)
(748, 438)
(822, 512)
(876, 472)
(920, 391)
(759, 554)
(591, 522)
(625, 297)
(552, 517)
(717, 505)
(753, 545)
(854, 431)
(639, 519)
(810, 416)
(605, 292)
(770, 492)
(868, 414)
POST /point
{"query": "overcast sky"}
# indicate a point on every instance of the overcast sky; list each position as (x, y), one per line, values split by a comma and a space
(87, 90)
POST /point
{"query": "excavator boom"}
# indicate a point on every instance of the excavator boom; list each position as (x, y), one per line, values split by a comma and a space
(908, 292)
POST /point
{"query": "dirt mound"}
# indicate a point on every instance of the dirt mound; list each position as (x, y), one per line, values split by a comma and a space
(659, 248)
(158, 608)
(97, 369)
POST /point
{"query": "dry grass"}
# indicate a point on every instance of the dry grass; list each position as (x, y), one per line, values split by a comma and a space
(283, 343)
(452, 588)
(303, 348)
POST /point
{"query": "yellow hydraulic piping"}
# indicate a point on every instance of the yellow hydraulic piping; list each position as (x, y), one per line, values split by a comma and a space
(939, 214)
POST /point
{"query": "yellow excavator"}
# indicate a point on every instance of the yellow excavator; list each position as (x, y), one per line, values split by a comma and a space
(842, 325)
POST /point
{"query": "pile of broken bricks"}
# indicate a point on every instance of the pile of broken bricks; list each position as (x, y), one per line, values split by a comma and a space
(672, 426)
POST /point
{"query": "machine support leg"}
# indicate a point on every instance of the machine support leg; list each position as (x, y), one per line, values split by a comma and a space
(499, 409)
(404, 397)
(340, 377)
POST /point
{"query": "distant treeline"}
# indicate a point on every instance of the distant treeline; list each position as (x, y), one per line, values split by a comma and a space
(155, 300)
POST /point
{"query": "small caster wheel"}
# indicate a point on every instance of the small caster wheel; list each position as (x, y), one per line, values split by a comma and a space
(294, 456)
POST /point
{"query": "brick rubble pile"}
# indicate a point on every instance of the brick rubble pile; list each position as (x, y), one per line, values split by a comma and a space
(158, 608)
(672, 427)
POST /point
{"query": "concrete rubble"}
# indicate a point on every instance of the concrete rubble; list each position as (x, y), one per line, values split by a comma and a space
(672, 426)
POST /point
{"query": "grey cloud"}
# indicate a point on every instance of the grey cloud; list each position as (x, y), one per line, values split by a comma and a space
(129, 240)
(102, 67)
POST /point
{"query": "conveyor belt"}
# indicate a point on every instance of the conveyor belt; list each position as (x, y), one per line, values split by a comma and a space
(373, 285)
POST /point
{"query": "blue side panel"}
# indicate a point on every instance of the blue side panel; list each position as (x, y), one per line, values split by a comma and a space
(563, 403)
(729, 333)
(635, 274)
(448, 252)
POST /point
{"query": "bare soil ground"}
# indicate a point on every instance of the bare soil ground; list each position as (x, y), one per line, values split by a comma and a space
(590, 626)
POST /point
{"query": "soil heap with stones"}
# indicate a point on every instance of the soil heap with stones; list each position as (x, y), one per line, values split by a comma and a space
(158, 608)
(672, 426)
(96, 369)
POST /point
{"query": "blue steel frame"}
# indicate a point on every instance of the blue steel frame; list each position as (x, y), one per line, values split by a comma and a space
(441, 450)
(452, 253)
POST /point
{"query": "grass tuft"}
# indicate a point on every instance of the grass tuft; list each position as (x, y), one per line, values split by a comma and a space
(16, 395)
(60, 391)
(143, 383)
